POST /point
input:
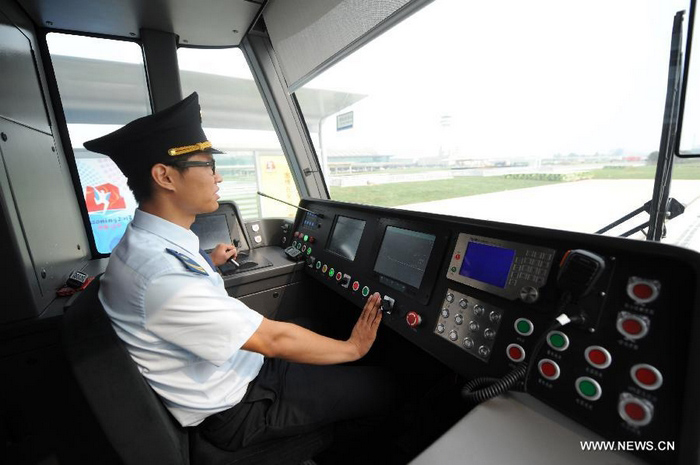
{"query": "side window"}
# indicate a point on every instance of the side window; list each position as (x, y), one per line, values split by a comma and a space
(236, 121)
(102, 83)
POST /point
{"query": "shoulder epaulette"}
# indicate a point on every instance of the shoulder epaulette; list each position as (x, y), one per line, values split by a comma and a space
(189, 263)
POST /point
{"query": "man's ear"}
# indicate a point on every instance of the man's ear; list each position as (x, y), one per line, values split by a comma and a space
(163, 176)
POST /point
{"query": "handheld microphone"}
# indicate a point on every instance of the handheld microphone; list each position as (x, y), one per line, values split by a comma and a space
(291, 204)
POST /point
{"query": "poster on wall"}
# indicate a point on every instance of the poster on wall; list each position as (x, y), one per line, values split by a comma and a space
(275, 179)
(109, 201)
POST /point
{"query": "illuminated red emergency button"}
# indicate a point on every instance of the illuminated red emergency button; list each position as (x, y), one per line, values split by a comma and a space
(413, 319)
(632, 326)
(338, 276)
(598, 357)
(355, 286)
(643, 290)
(515, 352)
(548, 369)
(635, 411)
(646, 376)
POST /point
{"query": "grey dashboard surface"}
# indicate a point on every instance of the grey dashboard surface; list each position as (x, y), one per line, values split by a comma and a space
(516, 429)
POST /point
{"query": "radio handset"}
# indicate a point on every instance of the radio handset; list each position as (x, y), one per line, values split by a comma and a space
(579, 270)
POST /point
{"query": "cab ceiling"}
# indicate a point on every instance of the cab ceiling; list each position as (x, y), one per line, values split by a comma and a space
(212, 23)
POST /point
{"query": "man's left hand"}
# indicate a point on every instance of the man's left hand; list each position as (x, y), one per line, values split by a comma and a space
(222, 253)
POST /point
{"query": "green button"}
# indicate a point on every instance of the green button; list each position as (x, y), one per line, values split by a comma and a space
(587, 388)
(306, 237)
(365, 291)
(308, 251)
(318, 265)
(331, 272)
(453, 269)
(524, 327)
(557, 340)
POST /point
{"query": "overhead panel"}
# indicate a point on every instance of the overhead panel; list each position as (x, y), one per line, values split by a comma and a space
(216, 23)
(309, 35)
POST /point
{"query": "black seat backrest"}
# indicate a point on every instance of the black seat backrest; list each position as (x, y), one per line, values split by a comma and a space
(133, 418)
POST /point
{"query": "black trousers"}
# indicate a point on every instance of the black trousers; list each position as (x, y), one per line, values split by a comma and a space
(289, 398)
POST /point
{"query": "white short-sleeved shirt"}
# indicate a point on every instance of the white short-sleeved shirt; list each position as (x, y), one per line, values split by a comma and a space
(181, 327)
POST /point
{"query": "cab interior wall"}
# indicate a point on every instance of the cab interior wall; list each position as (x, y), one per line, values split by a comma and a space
(43, 220)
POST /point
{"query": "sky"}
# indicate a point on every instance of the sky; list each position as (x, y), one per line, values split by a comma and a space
(481, 79)
(532, 78)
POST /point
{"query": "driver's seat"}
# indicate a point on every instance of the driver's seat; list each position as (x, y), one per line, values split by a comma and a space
(135, 421)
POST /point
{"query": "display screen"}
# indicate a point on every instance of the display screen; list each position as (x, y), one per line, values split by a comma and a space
(487, 263)
(211, 230)
(346, 237)
(310, 220)
(404, 255)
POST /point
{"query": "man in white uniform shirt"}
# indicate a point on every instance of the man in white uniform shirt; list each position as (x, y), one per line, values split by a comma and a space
(213, 361)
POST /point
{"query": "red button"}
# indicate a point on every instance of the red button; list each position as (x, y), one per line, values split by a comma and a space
(597, 357)
(413, 319)
(548, 369)
(338, 276)
(515, 353)
(635, 411)
(457, 257)
(642, 291)
(355, 286)
(646, 376)
(631, 326)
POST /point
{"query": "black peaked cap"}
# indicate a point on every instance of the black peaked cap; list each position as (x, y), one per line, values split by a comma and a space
(158, 138)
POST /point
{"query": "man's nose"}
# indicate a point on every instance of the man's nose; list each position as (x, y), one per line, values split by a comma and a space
(218, 178)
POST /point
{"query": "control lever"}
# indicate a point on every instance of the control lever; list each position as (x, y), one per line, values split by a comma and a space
(388, 304)
(293, 253)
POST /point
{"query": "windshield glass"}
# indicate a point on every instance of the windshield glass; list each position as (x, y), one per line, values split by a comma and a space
(539, 113)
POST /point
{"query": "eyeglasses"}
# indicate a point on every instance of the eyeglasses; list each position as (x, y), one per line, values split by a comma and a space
(189, 164)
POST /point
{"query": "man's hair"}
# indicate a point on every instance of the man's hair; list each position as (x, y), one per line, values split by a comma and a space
(142, 184)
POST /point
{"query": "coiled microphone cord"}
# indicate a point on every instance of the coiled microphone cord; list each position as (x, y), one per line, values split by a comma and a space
(481, 389)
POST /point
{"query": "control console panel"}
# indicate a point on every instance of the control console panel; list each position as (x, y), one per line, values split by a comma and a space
(481, 297)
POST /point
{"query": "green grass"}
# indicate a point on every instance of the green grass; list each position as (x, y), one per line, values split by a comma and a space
(690, 170)
(402, 193)
(389, 195)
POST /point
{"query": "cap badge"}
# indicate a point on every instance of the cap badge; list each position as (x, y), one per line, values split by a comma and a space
(189, 148)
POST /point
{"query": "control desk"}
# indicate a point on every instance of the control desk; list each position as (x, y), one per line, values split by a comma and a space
(482, 298)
